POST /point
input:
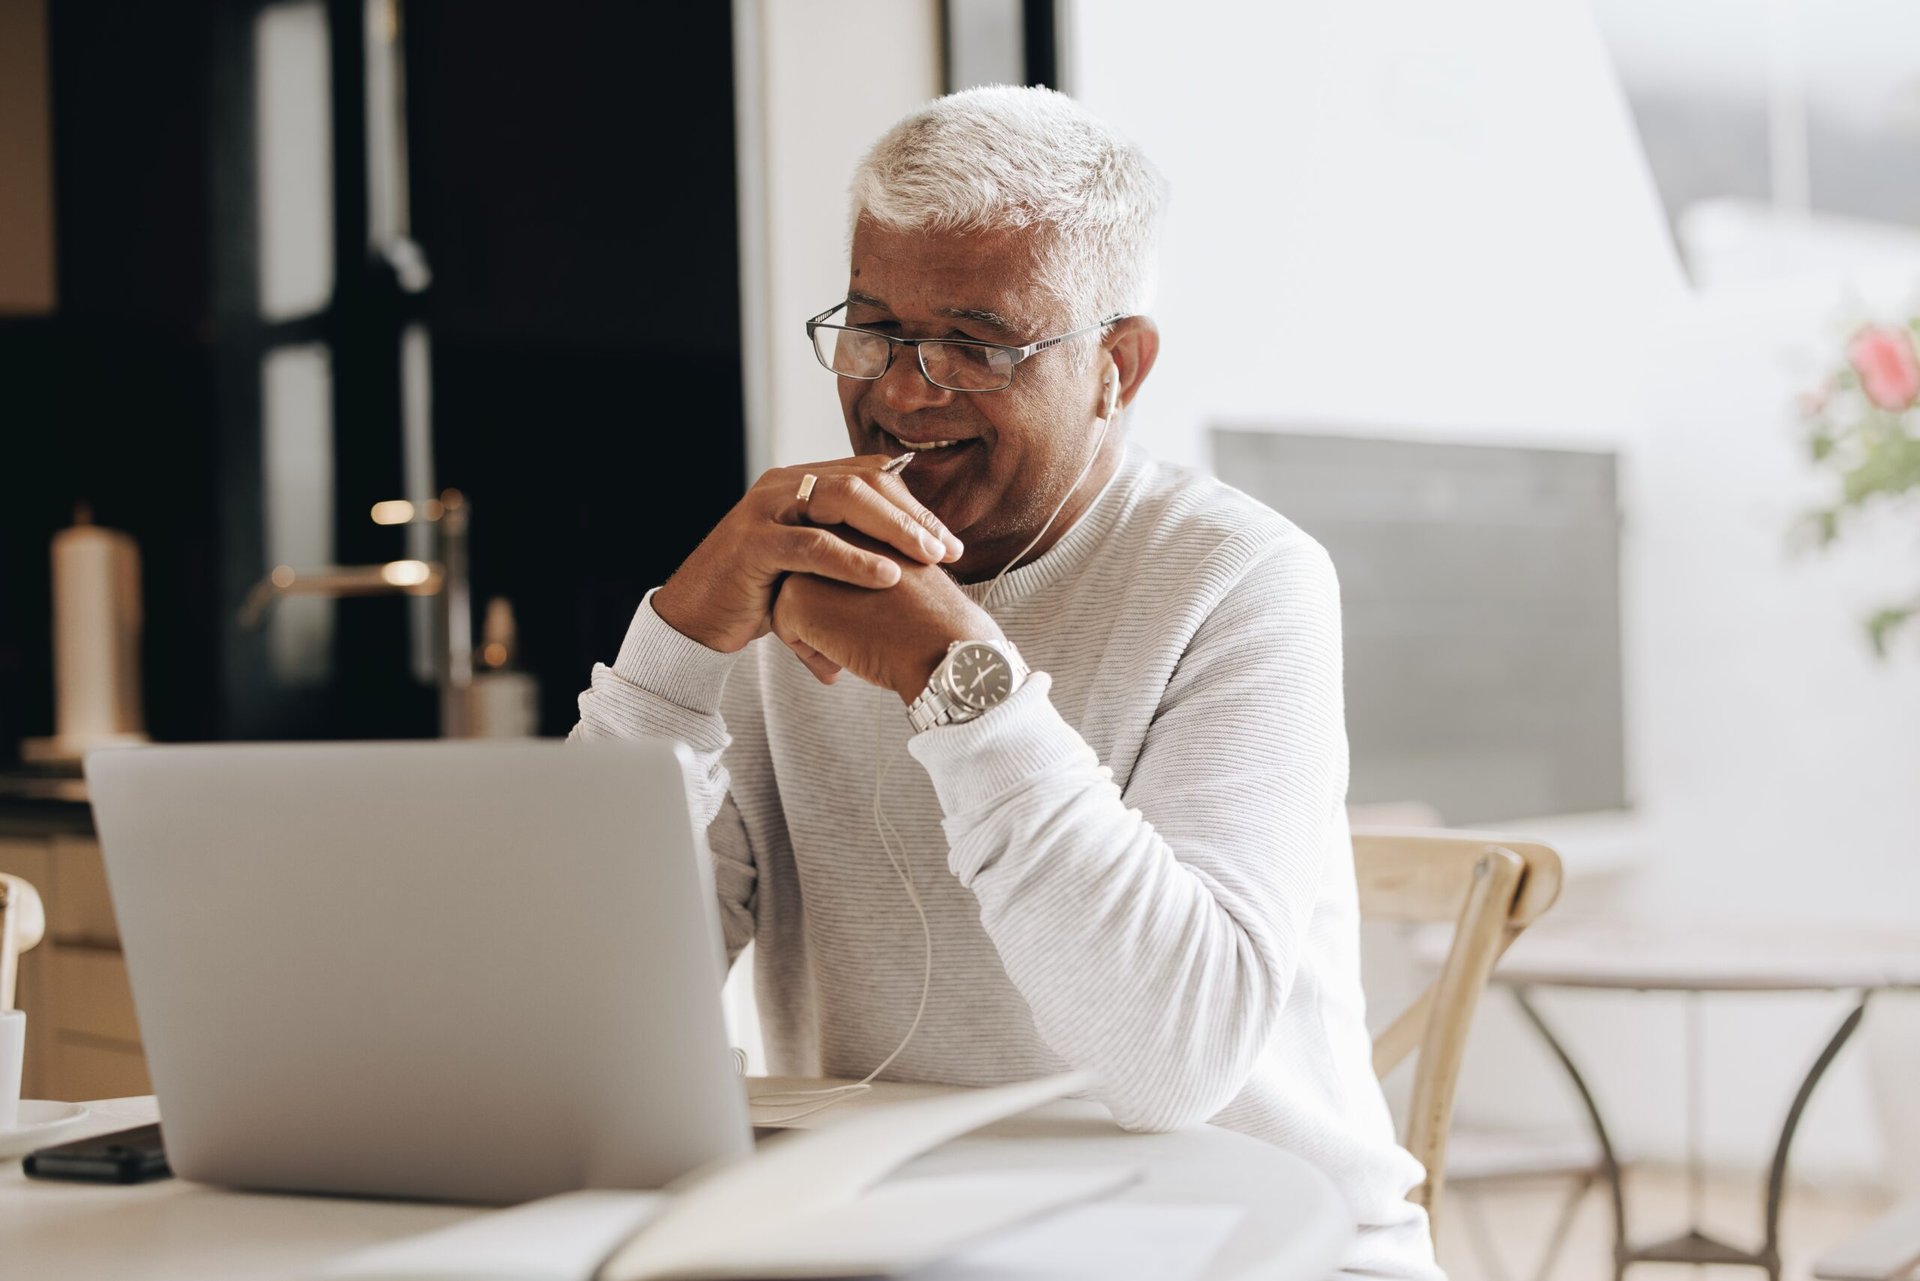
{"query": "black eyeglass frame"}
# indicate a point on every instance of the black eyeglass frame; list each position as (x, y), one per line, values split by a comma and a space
(1018, 354)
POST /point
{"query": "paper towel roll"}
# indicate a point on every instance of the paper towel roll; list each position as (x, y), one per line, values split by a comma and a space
(96, 638)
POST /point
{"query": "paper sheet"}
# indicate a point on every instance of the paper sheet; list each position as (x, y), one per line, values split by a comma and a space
(804, 1205)
(793, 1178)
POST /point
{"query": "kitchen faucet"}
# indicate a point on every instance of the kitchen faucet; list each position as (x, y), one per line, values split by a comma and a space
(445, 579)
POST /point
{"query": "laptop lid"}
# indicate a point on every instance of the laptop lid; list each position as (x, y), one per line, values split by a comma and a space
(462, 971)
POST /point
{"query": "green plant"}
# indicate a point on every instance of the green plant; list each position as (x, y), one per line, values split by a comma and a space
(1863, 425)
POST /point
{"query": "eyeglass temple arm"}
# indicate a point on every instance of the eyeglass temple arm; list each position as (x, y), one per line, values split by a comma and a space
(1036, 347)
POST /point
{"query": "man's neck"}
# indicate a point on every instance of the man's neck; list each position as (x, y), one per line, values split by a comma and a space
(984, 561)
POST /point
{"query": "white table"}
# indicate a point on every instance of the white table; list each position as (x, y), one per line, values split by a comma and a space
(1695, 958)
(1296, 1226)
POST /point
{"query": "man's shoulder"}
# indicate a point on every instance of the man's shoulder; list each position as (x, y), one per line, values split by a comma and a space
(1196, 520)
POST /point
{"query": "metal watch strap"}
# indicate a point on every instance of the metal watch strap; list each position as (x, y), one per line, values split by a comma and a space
(932, 707)
(928, 710)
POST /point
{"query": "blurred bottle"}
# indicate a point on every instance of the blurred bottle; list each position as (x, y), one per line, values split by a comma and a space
(503, 701)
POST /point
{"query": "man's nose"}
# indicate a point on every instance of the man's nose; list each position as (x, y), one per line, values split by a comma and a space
(905, 388)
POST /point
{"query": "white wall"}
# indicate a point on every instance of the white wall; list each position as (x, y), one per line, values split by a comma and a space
(1434, 220)
(821, 82)
(1381, 212)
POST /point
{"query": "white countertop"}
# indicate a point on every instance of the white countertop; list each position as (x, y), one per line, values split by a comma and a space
(1295, 1227)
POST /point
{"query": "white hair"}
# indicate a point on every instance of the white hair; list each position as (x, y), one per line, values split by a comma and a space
(1001, 158)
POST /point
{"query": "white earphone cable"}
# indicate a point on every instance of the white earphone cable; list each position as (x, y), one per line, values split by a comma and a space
(811, 1101)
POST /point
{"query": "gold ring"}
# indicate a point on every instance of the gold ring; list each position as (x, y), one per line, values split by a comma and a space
(807, 482)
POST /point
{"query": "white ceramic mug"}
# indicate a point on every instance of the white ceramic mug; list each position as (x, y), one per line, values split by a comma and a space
(13, 1054)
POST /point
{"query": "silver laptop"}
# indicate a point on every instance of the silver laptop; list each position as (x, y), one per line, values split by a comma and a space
(457, 971)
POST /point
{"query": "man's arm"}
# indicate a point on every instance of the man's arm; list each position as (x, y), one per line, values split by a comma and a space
(681, 645)
(1155, 936)
(664, 685)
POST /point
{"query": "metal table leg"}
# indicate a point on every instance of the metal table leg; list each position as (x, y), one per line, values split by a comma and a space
(1609, 1162)
(1777, 1175)
(1695, 1246)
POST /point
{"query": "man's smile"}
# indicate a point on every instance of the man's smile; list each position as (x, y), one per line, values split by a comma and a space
(897, 445)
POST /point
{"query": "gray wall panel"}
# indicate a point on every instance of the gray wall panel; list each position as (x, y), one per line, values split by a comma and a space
(1480, 590)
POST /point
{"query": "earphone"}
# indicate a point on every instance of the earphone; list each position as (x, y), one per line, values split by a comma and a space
(812, 1101)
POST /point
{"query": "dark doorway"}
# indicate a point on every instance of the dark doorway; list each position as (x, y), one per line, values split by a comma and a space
(558, 298)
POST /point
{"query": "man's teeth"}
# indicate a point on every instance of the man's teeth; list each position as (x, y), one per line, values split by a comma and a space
(922, 445)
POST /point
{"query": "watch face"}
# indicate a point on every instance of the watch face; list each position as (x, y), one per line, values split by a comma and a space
(978, 676)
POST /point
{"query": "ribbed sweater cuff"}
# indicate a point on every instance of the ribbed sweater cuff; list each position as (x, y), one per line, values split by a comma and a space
(663, 662)
(1016, 743)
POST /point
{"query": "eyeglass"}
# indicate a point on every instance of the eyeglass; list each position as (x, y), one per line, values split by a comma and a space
(953, 364)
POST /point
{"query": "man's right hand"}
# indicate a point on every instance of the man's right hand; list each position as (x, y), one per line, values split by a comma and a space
(722, 596)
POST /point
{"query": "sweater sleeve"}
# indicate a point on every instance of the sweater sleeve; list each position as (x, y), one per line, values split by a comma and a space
(666, 685)
(1155, 934)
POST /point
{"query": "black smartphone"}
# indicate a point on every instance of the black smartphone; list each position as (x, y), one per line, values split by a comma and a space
(125, 1156)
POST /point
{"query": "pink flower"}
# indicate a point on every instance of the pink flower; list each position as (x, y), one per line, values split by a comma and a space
(1888, 368)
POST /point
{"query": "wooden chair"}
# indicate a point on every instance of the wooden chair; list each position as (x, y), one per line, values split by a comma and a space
(1490, 888)
(23, 922)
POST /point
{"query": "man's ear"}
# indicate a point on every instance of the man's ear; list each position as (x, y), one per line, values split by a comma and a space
(1133, 344)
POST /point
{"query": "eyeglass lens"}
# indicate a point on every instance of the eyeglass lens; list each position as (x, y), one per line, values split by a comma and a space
(955, 366)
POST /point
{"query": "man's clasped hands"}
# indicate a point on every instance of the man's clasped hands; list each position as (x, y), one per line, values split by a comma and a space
(851, 578)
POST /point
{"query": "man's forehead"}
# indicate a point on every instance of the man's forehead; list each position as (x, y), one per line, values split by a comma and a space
(1003, 319)
(983, 277)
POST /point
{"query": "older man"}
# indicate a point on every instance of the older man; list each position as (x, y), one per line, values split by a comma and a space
(1120, 837)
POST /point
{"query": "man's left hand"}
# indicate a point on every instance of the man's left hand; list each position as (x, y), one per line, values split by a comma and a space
(892, 637)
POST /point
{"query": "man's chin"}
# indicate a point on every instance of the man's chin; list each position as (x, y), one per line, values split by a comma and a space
(949, 498)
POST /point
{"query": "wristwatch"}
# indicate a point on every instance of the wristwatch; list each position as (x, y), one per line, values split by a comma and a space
(974, 677)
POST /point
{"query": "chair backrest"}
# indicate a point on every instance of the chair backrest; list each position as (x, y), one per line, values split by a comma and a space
(23, 922)
(1489, 888)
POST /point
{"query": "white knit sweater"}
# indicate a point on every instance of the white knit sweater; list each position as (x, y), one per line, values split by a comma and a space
(1137, 866)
